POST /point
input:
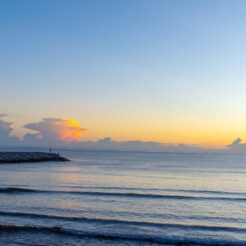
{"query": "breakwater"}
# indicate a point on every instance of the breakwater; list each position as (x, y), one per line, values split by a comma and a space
(23, 157)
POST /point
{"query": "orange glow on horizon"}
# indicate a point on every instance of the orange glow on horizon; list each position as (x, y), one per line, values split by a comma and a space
(198, 132)
(201, 132)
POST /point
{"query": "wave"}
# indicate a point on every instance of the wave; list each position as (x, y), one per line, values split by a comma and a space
(10, 190)
(177, 240)
(126, 222)
(158, 189)
(16, 190)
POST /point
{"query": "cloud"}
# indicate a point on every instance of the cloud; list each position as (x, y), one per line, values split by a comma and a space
(5, 132)
(109, 143)
(237, 147)
(54, 130)
(61, 132)
(137, 145)
(5, 127)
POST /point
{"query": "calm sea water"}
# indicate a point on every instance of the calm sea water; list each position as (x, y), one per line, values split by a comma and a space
(125, 198)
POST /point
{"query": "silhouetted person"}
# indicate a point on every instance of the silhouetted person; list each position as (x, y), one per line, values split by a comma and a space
(50, 150)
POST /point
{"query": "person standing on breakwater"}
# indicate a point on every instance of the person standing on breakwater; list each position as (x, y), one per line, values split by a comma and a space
(50, 150)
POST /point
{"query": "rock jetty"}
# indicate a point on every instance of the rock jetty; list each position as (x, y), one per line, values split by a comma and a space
(23, 157)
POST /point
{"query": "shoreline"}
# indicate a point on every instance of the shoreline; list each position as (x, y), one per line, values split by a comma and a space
(30, 157)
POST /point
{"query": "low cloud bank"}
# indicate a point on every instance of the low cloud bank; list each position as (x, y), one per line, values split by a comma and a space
(136, 145)
(53, 132)
(5, 132)
(237, 147)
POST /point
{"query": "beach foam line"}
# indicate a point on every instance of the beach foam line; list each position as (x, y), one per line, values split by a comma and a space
(177, 240)
(125, 222)
(16, 190)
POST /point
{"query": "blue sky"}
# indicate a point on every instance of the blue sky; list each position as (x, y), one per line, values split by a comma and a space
(171, 71)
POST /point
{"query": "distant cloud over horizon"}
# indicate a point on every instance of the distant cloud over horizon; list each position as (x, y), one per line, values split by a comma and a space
(137, 145)
(68, 133)
(55, 130)
(5, 127)
(237, 146)
(5, 131)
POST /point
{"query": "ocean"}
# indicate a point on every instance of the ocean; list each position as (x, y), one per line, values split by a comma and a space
(125, 198)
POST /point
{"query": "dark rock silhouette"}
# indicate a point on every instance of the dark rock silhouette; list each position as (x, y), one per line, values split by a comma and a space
(23, 157)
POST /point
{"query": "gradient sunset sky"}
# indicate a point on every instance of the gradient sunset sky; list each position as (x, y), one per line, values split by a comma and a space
(172, 71)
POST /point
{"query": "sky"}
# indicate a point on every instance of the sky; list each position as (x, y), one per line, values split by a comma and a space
(167, 71)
